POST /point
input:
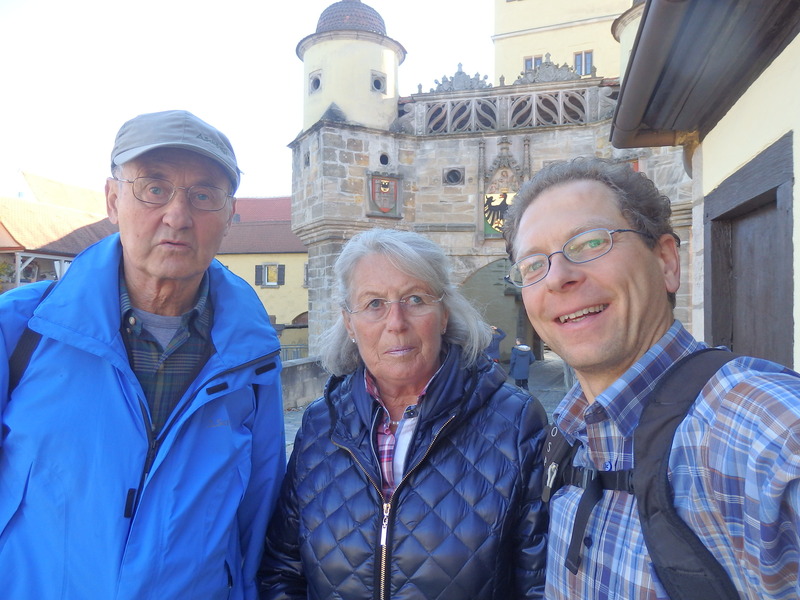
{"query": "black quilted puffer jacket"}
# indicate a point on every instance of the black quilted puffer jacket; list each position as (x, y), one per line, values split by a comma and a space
(465, 522)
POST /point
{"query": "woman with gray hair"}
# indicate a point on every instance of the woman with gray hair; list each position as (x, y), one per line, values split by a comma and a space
(418, 473)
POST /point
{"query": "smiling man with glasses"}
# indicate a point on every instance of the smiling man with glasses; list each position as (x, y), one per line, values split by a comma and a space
(142, 447)
(581, 248)
(597, 262)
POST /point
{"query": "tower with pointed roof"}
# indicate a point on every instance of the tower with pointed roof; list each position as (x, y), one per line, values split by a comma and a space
(350, 67)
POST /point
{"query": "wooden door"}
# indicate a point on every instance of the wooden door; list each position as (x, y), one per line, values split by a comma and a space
(749, 274)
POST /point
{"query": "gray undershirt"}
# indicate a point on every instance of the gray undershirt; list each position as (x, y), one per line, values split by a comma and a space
(160, 327)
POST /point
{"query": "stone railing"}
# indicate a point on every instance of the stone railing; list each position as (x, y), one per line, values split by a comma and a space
(302, 381)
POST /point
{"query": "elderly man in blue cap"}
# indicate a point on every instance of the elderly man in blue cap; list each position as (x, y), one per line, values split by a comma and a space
(142, 435)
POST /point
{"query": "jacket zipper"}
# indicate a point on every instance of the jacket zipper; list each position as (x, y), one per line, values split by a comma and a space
(387, 507)
(154, 443)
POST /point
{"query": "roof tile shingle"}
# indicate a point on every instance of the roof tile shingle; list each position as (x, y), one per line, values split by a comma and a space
(50, 229)
(264, 237)
(349, 15)
(263, 209)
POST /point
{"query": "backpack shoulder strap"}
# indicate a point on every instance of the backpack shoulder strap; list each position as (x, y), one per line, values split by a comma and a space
(21, 356)
(558, 457)
(686, 568)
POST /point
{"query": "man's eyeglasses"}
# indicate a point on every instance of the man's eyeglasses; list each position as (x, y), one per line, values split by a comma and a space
(581, 248)
(413, 305)
(159, 192)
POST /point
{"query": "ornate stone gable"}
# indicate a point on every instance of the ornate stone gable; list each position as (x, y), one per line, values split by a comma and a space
(460, 81)
(548, 71)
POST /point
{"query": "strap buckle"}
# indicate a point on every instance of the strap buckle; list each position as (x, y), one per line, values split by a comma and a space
(587, 477)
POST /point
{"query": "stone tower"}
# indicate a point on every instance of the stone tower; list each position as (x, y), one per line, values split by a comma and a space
(350, 67)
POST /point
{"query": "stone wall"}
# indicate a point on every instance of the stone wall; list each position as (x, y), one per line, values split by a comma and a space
(302, 381)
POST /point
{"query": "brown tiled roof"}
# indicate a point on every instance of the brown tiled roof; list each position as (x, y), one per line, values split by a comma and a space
(57, 219)
(351, 15)
(67, 196)
(50, 229)
(7, 241)
(263, 209)
(81, 238)
(264, 237)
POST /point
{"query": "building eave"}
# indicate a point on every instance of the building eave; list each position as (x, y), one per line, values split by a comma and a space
(690, 63)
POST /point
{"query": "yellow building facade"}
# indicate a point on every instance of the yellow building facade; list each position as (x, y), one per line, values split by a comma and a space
(286, 302)
(261, 249)
(573, 33)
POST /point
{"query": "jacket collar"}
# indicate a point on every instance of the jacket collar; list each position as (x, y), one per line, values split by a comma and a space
(455, 391)
(241, 330)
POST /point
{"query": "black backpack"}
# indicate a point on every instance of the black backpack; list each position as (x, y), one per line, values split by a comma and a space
(686, 568)
(21, 356)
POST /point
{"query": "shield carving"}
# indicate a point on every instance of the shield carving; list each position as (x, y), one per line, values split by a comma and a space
(384, 194)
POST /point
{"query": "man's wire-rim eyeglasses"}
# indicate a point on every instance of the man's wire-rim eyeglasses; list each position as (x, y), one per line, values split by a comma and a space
(412, 305)
(582, 248)
(158, 192)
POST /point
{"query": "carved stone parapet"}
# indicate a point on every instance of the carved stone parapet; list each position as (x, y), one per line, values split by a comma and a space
(547, 72)
(506, 109)
(460, 81)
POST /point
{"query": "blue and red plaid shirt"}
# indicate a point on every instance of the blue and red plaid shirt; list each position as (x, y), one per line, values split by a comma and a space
(392, 447)
(734, 467)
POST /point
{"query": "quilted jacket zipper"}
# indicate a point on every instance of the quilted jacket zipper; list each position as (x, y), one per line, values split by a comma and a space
(383, 591)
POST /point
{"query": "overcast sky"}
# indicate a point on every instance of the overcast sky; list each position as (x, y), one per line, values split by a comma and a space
(74, 70)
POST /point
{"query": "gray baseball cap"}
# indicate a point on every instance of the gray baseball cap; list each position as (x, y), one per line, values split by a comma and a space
(174, 129)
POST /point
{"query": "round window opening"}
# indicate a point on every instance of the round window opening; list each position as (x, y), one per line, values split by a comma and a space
(384, 158)
(454, 176)
(315, 83)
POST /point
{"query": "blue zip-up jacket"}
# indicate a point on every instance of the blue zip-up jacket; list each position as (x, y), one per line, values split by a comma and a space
(521, 359)
(91, 506)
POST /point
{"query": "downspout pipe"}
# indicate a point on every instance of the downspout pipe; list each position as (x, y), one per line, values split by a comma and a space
(661, 21)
